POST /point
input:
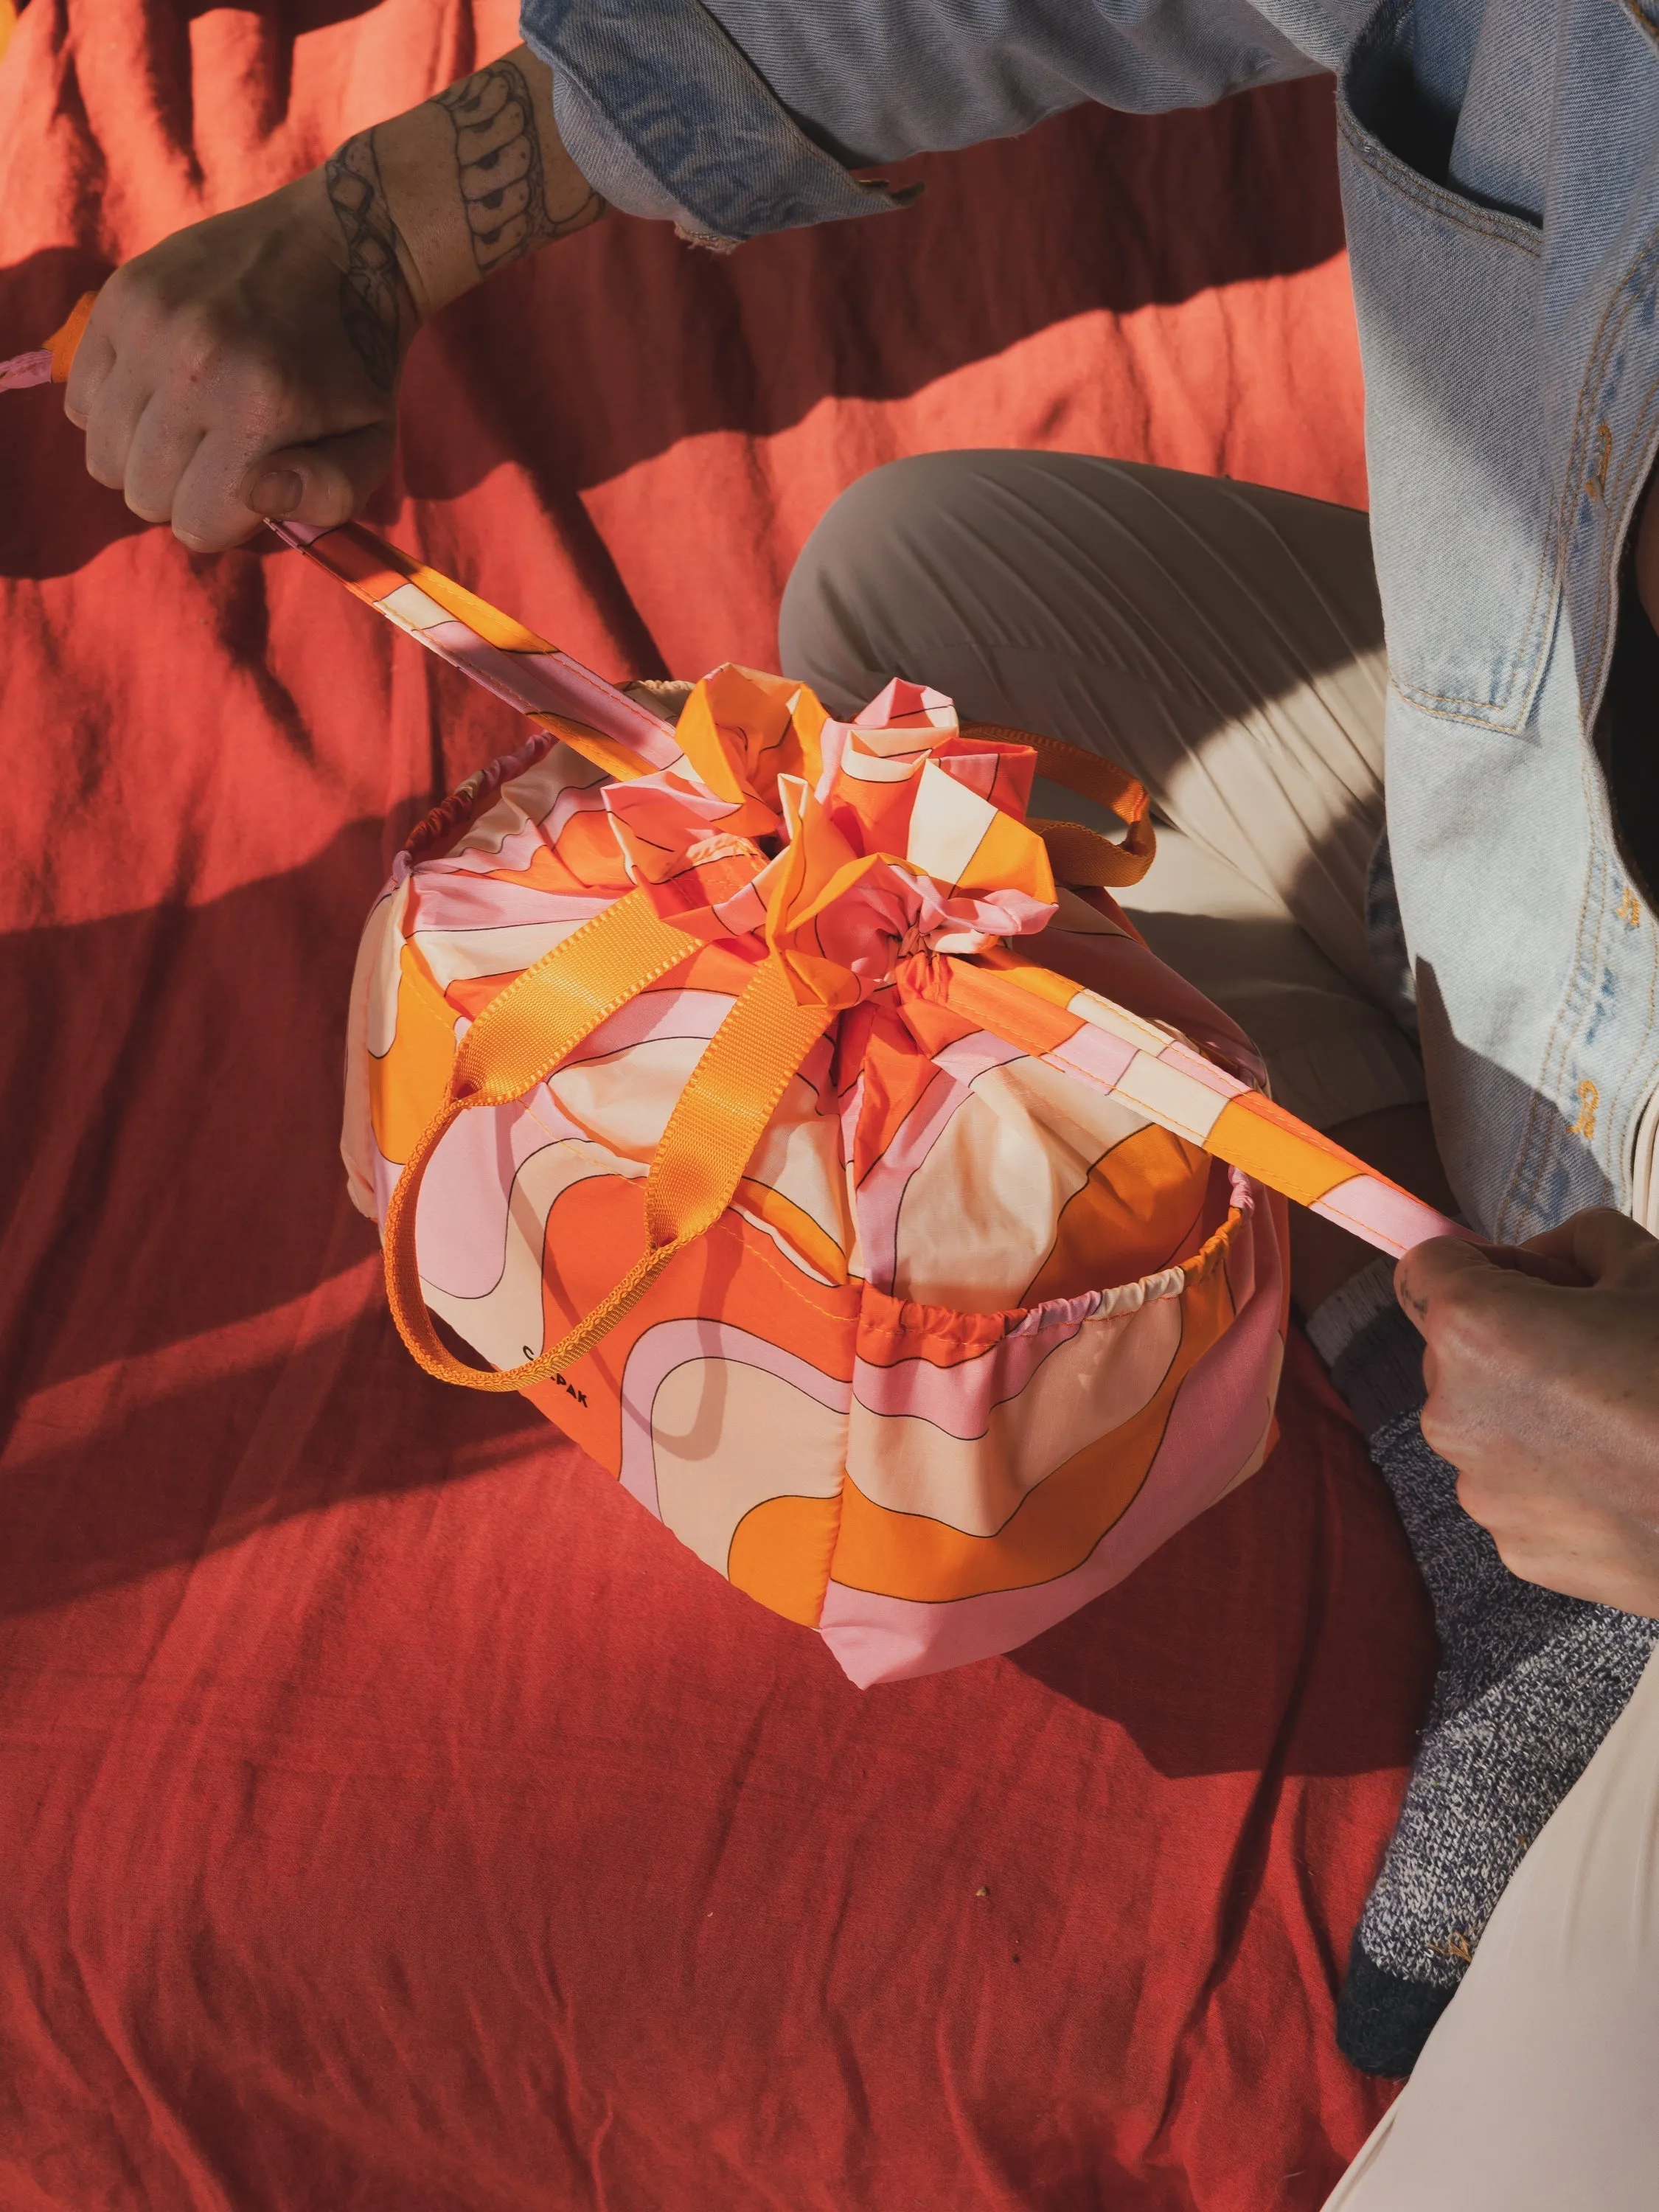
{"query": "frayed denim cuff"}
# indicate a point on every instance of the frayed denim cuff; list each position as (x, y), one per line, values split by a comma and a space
(665, 117)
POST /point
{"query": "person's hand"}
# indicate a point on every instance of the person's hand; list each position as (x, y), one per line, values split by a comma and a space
(247, 369)
(1544, 1394)
(219, 380)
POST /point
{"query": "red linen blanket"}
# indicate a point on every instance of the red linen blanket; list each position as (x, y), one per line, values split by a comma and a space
(393, 1814)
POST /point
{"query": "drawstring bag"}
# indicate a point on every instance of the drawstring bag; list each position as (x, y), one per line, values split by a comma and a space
(810, 1135)
(807, 1131)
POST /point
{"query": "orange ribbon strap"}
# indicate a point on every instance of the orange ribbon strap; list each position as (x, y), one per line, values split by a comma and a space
(1089, 861)
(1077, 854)
(720, 1116)
(65, 340)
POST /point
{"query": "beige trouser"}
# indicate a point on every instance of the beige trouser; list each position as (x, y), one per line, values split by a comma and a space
(1539, 2089)
(1223, 643)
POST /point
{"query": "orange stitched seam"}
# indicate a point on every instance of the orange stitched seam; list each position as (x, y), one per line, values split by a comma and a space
(1611, 496)
(1614, 315)
(1555, 1050)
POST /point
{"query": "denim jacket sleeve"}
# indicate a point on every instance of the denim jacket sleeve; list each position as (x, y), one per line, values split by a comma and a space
(735, 116)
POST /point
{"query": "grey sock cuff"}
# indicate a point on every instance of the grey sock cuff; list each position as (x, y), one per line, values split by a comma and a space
(1375, 1355)
(1333, 1324)
(1381, 1372)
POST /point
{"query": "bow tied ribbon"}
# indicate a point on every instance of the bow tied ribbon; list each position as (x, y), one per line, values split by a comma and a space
(849, 848)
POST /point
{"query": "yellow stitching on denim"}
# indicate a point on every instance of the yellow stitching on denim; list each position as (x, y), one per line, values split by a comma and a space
(1629, 909)
(1542, 1122)
(1589, 1099)
(1597, 484)
(1614, 315)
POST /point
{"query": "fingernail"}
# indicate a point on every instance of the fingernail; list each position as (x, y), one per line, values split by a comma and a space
(279, 491)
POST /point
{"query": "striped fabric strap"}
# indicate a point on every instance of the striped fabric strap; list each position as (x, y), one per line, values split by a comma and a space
(524, 1033)
(1148, 1067)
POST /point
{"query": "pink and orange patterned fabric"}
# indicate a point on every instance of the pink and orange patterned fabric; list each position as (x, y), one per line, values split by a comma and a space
(974, 1333)
(958, 1217)
(995, 1300)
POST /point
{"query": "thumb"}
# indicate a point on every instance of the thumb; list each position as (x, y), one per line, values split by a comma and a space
(1596, 1242)
(1429, 1271)
(324, 484)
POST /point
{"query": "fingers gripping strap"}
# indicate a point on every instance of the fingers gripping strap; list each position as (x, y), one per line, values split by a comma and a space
(708, 1142)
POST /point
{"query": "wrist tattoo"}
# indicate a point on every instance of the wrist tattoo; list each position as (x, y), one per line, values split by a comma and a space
(372, 287)
(498, 166)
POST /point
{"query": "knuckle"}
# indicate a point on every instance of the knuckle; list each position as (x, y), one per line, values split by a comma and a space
(132, 284)
(1476, 1499)
(1517, 1556)
(1459, 1322)
(131, 307)
(261, 383)
(207, 351)
(199, 342)
(1442, 1432)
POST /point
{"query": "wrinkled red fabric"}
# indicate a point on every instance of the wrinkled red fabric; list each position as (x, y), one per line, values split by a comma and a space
(392, 1815)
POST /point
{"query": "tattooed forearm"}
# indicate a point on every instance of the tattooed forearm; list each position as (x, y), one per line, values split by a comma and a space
(372, 287)
(498, 162)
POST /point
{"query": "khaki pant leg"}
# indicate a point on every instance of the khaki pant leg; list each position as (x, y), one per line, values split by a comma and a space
(1222, 641)
(1539, 2089)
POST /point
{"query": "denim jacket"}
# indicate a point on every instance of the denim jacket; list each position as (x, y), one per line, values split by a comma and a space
(1500, 180)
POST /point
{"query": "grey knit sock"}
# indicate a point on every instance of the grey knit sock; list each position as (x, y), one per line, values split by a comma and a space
(1530, 1683)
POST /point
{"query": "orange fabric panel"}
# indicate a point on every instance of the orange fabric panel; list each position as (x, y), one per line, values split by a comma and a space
(780, 1554)
(1139, 1206)
(1059, 1524)
(408, 1084)
(736, 1267)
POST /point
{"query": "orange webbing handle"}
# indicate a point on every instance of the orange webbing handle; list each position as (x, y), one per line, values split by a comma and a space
(65, 340)
(1077, 854)
(718, 1119)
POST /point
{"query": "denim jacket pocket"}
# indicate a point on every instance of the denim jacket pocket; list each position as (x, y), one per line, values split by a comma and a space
(1447, 294)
